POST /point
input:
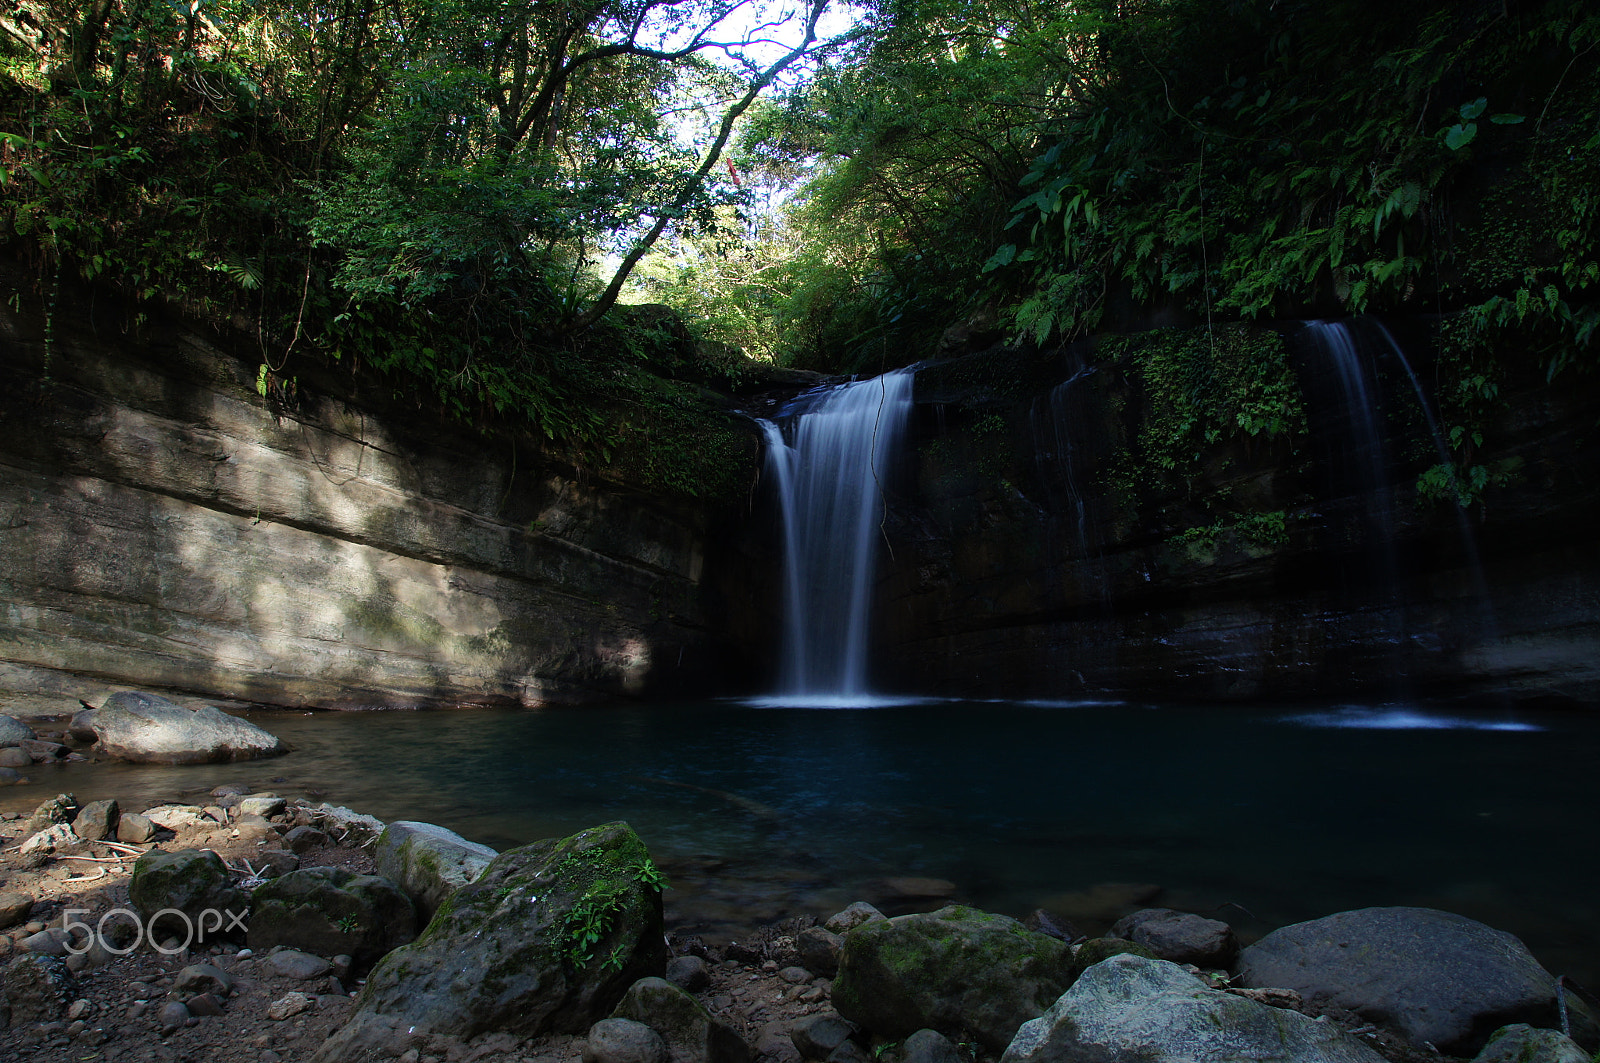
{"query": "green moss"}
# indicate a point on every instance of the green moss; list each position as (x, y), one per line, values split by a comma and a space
(678, 439)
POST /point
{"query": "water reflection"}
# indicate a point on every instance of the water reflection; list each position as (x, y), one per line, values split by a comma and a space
(759, 814)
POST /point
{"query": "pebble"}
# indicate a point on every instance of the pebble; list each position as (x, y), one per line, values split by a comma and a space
(79, 1009)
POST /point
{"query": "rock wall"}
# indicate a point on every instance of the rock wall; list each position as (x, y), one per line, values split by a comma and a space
(1027, 560)
(163, 526)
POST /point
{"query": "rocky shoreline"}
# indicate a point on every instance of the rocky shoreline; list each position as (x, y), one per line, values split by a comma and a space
(404, 941)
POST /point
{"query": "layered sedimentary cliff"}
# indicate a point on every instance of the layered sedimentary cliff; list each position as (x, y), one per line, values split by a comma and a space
(163, 525)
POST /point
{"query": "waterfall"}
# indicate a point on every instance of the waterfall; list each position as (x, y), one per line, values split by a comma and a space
(829, 464)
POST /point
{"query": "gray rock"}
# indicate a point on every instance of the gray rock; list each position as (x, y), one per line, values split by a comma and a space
(690, 1031)
(39, 988)
(1131, 1007)
(263, 805)
(291, 963)
(180, 817)
(290, 1005)
(929, 1046)
(81, 726)
(194, 883)
(624, 1041)
(43, 752)
(172, 1015)
(852, 917)
(504, 954)
(849, 1052)
(14, 908)
(147, 729)
(50, 839)
(1045, 923)
(1433, 976)
(305, 839)
(1180, 936)
(58, 810)
(12, 757)
(276, 862)
(13, 731)
(204, 1004)
(201, 978)
(819, 950)
(9, 777)
(816, 1036)
(97, 821)
(135, 829)
(53, 941)
(331, 911)
(428, 862)
(958, 970)
(688, 973)
(1521, 1043)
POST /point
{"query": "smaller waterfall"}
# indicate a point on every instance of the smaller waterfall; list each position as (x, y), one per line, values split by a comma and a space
(829, 464)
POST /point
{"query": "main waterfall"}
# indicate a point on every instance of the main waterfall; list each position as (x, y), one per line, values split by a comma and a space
(830, 461)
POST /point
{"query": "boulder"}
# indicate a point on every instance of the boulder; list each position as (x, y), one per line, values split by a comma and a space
(548, 938)
(301, 966)
(928, 1046)
(1095, 950)
(1180, 937)
(59, 809)
(135, 829)
(331, 912)
(180, 817)
(819, 1036)
(14, 731)
(852, 917)
(38, 988)
(263, 805)
(14, 908)
(1521, 1043)
(42, 752)
(10, 777)
(428, 862)
(201, 978)
(97, 821)
(688, 973)
(624, 1041)
(194, 884)
(15, 757)
(147, 729)
(690, 1032)
(958, 971)
(1131, 1007)
(50, 839)
(819, 950)
(1432, 976)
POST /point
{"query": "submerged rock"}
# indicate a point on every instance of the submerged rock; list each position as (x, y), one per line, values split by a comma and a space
(1433, 976)
(959, 971)
(1131, 1007)
(428, 861)
(548, 938)
(147, 729)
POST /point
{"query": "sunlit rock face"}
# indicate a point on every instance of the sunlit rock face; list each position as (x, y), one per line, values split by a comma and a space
(167, 527)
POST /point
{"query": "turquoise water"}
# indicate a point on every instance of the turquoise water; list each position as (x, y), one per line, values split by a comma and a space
(758, 813)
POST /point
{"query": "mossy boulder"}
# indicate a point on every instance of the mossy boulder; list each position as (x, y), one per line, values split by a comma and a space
(1521, 1043)
(966, 973)
(689, 1030)
(547, 939)
(147, 729)
(332, 912)
(195, 883)
(428, 861)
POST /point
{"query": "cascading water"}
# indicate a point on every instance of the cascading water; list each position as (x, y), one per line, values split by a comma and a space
(1353, 350)
(829, 463)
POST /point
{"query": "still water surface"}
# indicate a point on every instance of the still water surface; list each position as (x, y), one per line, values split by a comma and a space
(1262, 817)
